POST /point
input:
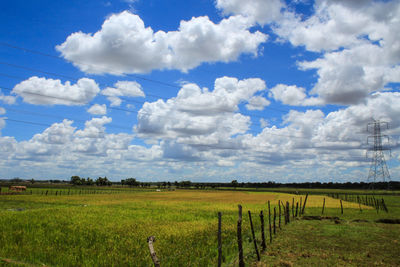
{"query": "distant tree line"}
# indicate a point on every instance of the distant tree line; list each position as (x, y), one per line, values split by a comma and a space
(101, 181)
(133, 182)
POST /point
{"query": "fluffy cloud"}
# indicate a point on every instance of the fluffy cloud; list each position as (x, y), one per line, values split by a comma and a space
(261, 11)
(309, 144)
(196, 41)
(330, 140)
(257, 103)
(358, 43)
(121, 89)
(337, 24)
(362, 44)
(8, 99)
(292, 95)
(94, 128)
(97, 109)
(349, 76)
(42, 91)
(200, 116)
(2, 121)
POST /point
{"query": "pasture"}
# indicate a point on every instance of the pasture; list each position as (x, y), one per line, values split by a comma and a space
(110, 228)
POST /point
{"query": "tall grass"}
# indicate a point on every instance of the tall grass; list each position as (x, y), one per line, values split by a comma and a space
(111, 229)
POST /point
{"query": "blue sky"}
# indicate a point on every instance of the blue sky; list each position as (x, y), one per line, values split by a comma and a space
(264, 90)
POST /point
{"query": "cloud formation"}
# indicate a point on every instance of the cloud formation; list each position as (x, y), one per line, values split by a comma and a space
(122, 89)
(42, 91)
(97, 109)
(7, 99)
(293, 95)
(358, 43)
(209, 145)
(199, 40)
(198, 115)
(261, 11)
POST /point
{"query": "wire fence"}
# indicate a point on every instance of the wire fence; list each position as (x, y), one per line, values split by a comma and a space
(233, 244)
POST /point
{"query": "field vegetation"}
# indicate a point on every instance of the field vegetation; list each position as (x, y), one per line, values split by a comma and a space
(109, 227)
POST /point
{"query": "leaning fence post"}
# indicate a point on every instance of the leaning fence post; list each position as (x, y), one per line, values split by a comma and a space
(239, 237)
(219, 240)
(323, 207)
(254, 236)
(263, 245)
(384, 205)
(151, 240)
(269, 220)
(304, 205)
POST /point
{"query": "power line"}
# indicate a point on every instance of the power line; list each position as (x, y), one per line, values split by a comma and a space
(52, 56)
(131, 75)
(122, 97)
(132, 111)
(61, 117)
(128, 100)
(86, 104)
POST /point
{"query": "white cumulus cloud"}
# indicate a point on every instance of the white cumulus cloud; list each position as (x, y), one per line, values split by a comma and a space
(293, 95)
(261, 11)
(42, 91)
(200, 116)
(125, 45)
(257, 103)
(8, 99)
(97, 109)
(122, 89)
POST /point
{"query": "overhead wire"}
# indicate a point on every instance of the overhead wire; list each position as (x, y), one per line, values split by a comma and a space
(105, 70)
(124, 98)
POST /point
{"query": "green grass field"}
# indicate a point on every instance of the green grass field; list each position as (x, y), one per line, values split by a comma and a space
(110, 228)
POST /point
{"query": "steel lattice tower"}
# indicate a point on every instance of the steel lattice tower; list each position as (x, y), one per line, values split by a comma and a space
(378, 171)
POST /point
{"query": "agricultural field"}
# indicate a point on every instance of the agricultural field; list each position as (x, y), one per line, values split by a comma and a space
(110, 227)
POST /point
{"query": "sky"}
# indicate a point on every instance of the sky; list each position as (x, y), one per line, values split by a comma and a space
(206, 91)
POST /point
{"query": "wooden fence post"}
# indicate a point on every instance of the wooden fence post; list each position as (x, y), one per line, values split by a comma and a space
(269, 220)
(151, 240)
(284, 213)
(301, 202)
(293, 208)
(219, 240)
(341, 206)
(274, 220)
(297, 207)
(263, 245)
(254, 237)
(279, 223)
(304, 205)
(323, 207)
(384, 205)
(288, 211)
(239, 237)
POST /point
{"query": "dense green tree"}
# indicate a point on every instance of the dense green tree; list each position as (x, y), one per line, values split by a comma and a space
(131, 182)
(102, 181)
(76, 180)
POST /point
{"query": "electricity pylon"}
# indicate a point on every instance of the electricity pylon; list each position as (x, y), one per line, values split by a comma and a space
(378, 171)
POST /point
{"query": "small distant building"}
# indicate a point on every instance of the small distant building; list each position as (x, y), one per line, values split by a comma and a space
(17, 188)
